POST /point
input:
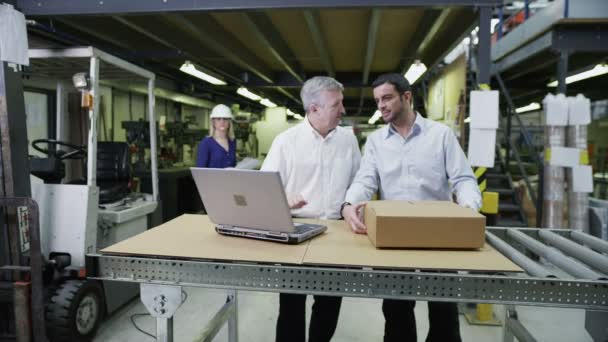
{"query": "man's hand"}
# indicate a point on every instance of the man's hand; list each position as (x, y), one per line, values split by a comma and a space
(353, 214)
(471, 206)
(296, 201)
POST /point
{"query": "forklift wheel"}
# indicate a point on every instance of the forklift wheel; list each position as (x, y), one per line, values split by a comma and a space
(75, 310)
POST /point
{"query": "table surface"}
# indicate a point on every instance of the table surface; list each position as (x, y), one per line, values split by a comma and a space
(193, 237)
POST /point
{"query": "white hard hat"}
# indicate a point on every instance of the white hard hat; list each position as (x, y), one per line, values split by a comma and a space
(221, 111)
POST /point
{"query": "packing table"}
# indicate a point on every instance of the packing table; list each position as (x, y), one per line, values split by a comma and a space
(188, 252)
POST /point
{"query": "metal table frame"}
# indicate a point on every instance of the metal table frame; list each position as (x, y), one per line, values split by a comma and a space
(161, 280)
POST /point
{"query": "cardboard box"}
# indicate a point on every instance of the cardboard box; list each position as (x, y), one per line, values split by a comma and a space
(423, 224)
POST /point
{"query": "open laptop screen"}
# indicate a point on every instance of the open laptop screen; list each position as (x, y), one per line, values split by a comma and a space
(244, 198)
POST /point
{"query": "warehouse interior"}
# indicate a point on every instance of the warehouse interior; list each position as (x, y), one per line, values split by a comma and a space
(104, 106)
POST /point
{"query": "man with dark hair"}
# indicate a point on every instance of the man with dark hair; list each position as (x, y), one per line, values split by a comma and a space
(411, 158)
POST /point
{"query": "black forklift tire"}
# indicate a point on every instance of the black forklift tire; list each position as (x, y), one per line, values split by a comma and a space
(75, 310)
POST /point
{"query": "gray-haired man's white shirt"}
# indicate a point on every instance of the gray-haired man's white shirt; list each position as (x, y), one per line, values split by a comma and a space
(320, 169)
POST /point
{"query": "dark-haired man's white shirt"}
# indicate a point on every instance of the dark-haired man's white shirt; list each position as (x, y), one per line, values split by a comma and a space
(428, 164)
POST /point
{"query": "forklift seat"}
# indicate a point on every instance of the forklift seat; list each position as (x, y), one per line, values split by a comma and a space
(113, 171)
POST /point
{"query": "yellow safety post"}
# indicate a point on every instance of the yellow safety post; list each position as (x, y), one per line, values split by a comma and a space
(483, 314)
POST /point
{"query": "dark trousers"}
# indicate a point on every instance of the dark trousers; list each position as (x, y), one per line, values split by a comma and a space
(400, 323)
(291, 324)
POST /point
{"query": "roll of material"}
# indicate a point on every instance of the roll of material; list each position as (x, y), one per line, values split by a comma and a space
(577, 136)
(578, 202)
(555, 136)
(553, 186)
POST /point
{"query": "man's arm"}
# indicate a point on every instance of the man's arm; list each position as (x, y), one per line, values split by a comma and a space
(356, 158)
(366, 180)
(361, 190)
(460, 174)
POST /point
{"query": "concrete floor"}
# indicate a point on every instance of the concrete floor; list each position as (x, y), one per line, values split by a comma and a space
(360, 320)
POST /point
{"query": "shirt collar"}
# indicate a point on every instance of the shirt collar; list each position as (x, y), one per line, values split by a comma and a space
(419, 124)
(308, 127)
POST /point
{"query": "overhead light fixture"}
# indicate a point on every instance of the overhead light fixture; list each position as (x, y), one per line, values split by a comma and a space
(268, 103)
(532, 106)
(415, 71)
(291, 113)
(246, 93)
(598, 70)
(374, 117)
(298, 116)
(467, 120)
(191, 69)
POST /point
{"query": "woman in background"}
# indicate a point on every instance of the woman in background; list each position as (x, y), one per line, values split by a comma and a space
(218, 150)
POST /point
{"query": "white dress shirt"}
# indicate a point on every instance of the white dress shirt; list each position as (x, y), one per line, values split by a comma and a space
(426, 165)
(320, 169)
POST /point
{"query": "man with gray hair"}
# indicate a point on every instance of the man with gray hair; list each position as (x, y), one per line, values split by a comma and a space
(317, 161)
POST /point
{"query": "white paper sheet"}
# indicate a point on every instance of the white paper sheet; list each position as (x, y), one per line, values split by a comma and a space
(582, 178)
(482, 144)
(565, 156)
(13, 36)
(484, 109)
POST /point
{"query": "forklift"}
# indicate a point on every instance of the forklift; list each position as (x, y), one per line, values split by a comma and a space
(76, 216)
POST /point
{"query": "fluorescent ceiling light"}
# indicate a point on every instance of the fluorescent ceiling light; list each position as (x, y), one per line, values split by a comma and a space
(532, 106)
(374, 117)
(245, 92)
(298, 116)
(467, 120)
(190, 69)
(268, 103)
(415, 71)
(291, 113)
(598, 70)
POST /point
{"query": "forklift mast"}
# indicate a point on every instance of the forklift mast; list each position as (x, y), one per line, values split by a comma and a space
(21, 285)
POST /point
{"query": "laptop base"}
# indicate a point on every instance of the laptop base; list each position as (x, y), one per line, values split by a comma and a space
(311, 231)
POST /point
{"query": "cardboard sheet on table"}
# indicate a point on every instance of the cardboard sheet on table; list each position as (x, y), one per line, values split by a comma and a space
(340, 247)
(194, 237)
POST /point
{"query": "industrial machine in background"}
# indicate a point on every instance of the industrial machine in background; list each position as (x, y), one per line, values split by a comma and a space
(182, 141)
(244, 132)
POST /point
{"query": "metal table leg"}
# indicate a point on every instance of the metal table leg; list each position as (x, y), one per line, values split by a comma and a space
(162, 301)
(233, 328)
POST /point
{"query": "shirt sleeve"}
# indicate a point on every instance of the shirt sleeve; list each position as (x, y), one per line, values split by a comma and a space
(366, 179)
(460, 174)
(232, 148)
(276, 158)
(356, 158)
(202, 155)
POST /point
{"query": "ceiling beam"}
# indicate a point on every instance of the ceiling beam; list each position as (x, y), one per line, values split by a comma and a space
(96, 34)
(312, 21)
(210, 32)
(187, 53)
(432, 32)
(267, 35)
(286, 80)
(372, 33)
(530, 69)
(72, 7)
(412, 50)
(471, 17)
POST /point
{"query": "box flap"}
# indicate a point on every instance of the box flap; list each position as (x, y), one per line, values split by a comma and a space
(421, 209)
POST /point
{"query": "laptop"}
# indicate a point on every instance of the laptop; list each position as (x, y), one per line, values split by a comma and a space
(251, 204)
